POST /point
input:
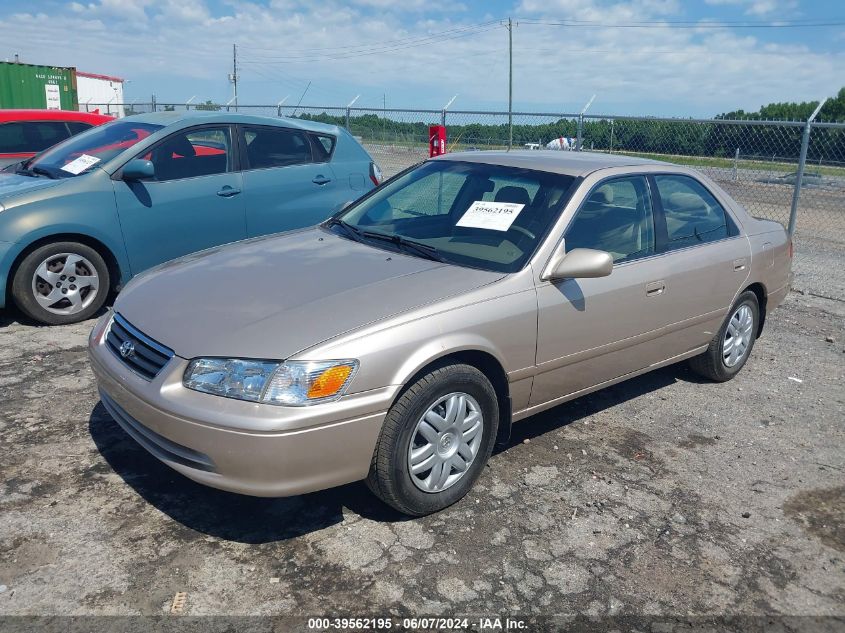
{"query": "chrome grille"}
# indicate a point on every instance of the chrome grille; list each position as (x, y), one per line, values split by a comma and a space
(138, 351)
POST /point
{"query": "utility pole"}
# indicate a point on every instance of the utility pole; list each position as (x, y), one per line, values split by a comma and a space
(510, 84)
(235, 74)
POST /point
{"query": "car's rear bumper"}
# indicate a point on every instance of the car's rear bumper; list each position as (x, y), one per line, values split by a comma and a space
(776, 297)
(299, 449)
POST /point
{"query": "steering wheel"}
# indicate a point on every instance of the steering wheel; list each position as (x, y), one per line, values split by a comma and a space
(523, 230)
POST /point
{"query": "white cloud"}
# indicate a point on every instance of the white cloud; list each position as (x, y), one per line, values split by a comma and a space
(600, 10)
(768, 8)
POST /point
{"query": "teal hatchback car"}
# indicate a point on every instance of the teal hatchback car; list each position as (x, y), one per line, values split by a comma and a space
(82, 218)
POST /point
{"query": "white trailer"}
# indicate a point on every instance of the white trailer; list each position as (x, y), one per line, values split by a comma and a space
(100, 91)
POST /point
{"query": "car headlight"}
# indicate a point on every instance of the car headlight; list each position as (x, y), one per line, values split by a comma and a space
(292, 383)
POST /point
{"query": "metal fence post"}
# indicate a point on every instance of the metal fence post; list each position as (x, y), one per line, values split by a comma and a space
(154, 103)
(736, 162)
(349, 110)
(580, 132)
(443, 117)
(802, 161)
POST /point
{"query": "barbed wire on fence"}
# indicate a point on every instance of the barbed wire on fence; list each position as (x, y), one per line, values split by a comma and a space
(758, 162)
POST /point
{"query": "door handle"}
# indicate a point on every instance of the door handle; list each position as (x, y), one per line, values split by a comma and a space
(654, 288)
(321, 180)
(739, 264)
(228, 192)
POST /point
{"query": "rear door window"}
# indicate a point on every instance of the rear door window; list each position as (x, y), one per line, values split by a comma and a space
(31, 136)
(268, 147)
(692, 215)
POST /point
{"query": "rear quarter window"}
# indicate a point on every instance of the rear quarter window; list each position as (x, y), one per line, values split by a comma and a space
(323, 147)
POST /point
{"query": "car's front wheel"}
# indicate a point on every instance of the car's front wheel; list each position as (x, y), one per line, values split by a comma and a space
(730, 348)
(435, 440)
(61, 282)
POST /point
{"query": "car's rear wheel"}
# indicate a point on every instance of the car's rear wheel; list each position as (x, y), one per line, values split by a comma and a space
(730, 348)
(61, 282)
(435, 440)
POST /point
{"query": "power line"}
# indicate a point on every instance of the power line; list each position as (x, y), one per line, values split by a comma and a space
(686, 24)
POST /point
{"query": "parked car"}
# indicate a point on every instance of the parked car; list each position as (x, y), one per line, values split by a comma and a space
(82, 218)
(24, 133)
(398, 340)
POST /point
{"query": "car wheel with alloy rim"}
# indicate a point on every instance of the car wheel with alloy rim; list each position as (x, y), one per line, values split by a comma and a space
(61, 282)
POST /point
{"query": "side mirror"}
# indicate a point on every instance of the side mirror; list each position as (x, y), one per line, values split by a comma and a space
(579, 263)
(139, 169)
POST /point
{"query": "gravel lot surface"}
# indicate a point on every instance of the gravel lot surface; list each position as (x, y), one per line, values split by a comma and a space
(663, 495)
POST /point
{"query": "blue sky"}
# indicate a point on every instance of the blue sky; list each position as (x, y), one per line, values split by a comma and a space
(419, 53)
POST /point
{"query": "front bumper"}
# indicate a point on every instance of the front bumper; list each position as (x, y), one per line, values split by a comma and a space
(248, 448)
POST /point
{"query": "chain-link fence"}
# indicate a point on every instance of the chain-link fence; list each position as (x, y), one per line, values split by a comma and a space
(757, 162)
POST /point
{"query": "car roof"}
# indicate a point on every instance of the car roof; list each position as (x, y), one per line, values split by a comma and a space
(7, 116)
(189, 117)
(554, 161)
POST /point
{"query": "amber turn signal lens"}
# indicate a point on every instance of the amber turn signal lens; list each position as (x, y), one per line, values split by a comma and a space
(329, 382)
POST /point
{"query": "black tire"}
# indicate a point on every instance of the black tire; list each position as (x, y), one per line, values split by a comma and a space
(711, 363)
(22, 283)
(389, 478)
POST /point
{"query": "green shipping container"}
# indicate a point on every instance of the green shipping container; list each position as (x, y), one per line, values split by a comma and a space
(39, 87)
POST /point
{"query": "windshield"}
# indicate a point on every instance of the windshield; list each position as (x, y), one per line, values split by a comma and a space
(471, 214)
(83, 152)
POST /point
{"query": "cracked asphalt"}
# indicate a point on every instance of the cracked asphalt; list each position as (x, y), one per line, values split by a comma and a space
(661, 495)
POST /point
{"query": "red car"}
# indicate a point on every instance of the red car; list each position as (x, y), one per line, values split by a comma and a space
(24, 133)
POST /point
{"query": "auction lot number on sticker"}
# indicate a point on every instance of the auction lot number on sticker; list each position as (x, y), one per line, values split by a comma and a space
(350, 624)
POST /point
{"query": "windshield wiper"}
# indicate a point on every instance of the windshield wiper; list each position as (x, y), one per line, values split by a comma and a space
(423, 250)
(351, 231)
(42, 172)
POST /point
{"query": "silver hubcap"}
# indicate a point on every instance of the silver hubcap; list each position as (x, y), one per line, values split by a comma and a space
(445, 442)
(738, 336)
(65, 283)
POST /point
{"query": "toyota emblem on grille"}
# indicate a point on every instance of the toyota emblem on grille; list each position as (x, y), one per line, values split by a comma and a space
(127, 349)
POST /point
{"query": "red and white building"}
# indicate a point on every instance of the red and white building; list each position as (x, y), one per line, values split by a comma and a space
(105, 90)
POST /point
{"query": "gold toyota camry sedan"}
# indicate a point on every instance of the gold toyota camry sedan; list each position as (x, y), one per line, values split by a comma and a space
(399, 340)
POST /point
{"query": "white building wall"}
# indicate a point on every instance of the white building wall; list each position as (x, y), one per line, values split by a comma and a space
(91, 90)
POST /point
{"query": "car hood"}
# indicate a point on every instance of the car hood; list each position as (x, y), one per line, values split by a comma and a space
(275, 296)
(12, 184)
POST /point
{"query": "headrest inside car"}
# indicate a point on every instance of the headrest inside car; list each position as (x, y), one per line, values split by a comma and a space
(510, 193)
(681, 201)
(602, 195)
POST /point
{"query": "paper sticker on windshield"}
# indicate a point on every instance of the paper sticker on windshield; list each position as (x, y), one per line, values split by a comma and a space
(495, 216)
(78, 165)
